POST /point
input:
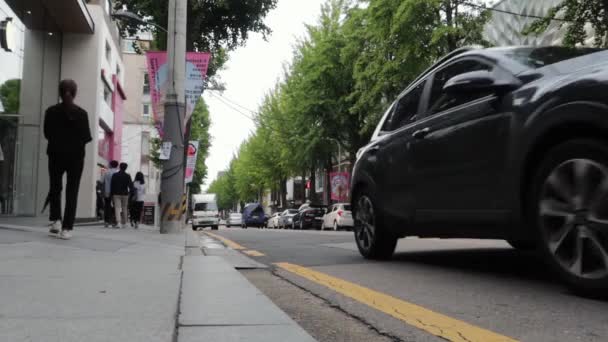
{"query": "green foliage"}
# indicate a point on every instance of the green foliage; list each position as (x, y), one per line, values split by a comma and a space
(574, 15)
(225, 190)
(199, 130)
(9, 95)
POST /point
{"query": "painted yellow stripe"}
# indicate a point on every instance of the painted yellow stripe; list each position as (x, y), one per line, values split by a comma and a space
(253, 253)
(432, 322)
(226, 242)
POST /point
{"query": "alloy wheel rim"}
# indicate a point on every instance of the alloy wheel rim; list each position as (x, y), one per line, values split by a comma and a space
(573, 213)
(365, 223)
(335, 226)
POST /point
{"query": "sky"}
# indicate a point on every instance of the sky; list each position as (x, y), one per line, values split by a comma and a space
(250, 73)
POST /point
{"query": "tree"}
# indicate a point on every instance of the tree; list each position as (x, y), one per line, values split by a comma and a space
(213, 26)
(574, 16)
(9, 95)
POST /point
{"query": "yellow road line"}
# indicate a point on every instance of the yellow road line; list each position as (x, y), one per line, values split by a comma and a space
(253, 253)
(227, 242)
(412, 314)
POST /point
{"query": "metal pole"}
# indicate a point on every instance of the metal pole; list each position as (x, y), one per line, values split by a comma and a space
(172, 181)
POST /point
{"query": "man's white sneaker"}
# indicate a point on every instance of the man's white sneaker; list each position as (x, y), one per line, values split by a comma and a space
(55, 227)
(65, 235)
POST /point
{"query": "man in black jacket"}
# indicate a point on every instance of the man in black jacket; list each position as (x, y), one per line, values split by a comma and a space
(121, 186)
(66, 127)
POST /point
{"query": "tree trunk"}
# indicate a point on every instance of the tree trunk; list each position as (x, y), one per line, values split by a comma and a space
(284, 193)
(327, 186)
(313, 178)
(303, 186)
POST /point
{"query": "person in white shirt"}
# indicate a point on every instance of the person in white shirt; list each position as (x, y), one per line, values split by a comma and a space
(139, 190)
(109, 218)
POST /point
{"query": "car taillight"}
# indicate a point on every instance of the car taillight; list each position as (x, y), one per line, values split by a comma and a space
(310, 214)
(340, 212)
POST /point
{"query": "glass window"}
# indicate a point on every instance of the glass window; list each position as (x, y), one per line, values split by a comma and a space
(107, 95)
(146, 110)
(405, 110)
(146, 84)
(440, 101)
(211, 206)
(108, 52)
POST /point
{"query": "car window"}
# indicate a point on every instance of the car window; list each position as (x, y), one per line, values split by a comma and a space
(405, 110)
(347, 207)
(440, 101)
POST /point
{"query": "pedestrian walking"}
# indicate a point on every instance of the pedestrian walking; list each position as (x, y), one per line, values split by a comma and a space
(121, 187)
(99, 203)
(109, 217)
(139, 190)
(66, 128)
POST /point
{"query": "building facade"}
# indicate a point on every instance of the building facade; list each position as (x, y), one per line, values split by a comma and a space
(54, 40)
(505, 27)
(138, 125)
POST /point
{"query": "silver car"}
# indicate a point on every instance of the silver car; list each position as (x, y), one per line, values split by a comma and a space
(286, 218)
(235, 219)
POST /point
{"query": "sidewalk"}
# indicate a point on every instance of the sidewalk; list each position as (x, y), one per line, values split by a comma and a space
(125, 285)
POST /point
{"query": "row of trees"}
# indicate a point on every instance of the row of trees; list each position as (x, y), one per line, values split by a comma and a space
(359, 56)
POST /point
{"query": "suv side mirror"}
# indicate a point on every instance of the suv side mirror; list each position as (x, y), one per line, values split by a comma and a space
(481, 80)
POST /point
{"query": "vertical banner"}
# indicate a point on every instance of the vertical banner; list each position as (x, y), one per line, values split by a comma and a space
(340, 185)
(191, 160)
(158, 73)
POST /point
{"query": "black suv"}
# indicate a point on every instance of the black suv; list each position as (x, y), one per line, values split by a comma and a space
(502, 143)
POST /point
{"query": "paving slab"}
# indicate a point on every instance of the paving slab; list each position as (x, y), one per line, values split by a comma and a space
(257, 333)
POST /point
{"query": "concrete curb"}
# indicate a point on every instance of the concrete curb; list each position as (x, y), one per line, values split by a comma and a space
(217, 303)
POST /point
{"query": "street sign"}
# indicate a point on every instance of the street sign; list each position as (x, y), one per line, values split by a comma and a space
(191, 160)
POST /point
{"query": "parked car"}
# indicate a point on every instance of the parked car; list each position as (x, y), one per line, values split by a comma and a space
(235, 219)
(309, 217)
(338, 217)
(273, 221)
(502, 143)
(253, 216)
(287, 218)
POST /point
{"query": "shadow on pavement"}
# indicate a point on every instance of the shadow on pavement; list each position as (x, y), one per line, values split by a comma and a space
(505, 262)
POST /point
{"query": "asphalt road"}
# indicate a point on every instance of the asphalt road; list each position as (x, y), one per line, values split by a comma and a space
(482, 283)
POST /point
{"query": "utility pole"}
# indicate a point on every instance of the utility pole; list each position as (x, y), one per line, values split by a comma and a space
(172, 182)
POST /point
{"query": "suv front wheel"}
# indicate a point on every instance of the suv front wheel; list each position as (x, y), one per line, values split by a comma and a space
(569, 208)
(373, 239)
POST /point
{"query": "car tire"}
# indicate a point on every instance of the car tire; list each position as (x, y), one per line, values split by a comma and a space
(373, 239)
(194, 228)
(301, 225)
(567, 204)
(336, 227)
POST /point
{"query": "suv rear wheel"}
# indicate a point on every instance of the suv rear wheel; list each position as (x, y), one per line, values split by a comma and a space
(373, 239)
(569, 206)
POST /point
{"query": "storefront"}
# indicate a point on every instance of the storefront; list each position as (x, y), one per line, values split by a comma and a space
(46, 41)
(11, 72)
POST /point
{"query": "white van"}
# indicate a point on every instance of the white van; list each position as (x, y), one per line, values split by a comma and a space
(204, 211)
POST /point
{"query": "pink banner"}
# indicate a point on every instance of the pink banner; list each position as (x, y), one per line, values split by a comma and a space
(340, 185)
(191, 160)
(197, 64)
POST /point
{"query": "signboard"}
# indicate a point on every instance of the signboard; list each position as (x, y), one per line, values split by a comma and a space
(340, 186)
(191, 160)
(148, 218)
(165, 150)
(158, 71)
